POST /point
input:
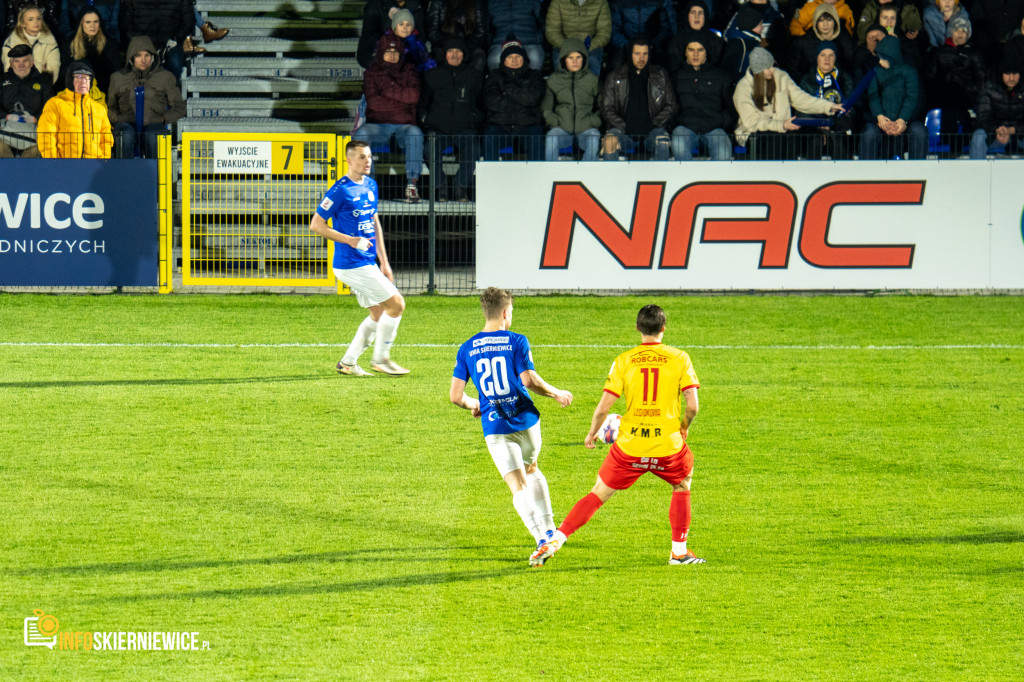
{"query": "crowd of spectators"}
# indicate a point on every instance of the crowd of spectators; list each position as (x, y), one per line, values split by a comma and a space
(661, 79)
(69, 88)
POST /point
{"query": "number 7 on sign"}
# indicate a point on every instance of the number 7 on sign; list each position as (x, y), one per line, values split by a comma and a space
(284, 160)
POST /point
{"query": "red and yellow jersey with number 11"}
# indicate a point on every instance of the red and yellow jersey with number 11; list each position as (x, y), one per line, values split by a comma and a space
(652, 378)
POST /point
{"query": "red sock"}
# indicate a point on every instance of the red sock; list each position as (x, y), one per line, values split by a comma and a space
(580, 514)
(679, 515)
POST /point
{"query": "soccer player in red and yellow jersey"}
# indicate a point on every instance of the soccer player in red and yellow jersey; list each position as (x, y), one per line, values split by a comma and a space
(652, 435)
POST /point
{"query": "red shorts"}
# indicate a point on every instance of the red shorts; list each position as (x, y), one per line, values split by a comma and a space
(620, 471)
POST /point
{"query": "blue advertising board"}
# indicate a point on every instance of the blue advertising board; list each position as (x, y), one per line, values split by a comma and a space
(78, 222)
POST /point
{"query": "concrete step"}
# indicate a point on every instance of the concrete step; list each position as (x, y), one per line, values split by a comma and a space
(256, 124)
(331, 7)
(280, 27)
(284, 86)
(295, 109)
(337, 68)
(281, 46)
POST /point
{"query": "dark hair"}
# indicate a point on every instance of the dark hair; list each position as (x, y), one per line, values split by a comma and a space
(650, 320)
(495, 300)
(639, 41)
(354, 145)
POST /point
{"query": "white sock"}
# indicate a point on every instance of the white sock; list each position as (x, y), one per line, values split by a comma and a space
(360, 341)
(387, 329)
(679, 548)
(538, 487)
(522, 501)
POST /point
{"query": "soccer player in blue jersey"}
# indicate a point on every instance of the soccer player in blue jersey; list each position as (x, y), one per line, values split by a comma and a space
(351, 206)
(501, 365)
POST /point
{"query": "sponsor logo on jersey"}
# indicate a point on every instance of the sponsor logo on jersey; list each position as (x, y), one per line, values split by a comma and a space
(648, 357)
(326, 204)
(487, 340)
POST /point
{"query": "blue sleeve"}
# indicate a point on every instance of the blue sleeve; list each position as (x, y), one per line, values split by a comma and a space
(461, 370)
(328, 205)
(522, 357)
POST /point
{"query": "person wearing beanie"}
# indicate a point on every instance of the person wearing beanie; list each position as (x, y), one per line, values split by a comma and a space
(377, 20)
(588, 20)
(693, 24)
(826, 25)
(73, 125)
(909, 18)
(23, 93)
(1001, 108)
(512, 102)
(893, 100)
(450, 106)
(403, 25)
(570, 105)
(638, 103)
(936, 18)
(704, 94)
(521, 18)
(803, 21)
(391, 87)
(827, 80)
(764, 99)
(464, 19)
(954, 76)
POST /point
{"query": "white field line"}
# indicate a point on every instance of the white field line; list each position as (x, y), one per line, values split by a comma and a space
(962, 346)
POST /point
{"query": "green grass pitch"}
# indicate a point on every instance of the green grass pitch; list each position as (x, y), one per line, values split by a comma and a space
(194, 463)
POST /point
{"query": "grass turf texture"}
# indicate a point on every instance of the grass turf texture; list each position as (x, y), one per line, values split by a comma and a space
(860, 508)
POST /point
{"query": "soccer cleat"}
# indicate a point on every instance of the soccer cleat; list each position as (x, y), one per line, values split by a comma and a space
(546, 549)
(388, 366)
(412, 195)
(687, 557)
(352, 370)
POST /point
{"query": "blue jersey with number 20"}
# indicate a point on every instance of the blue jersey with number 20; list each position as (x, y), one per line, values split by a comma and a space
(495, 360)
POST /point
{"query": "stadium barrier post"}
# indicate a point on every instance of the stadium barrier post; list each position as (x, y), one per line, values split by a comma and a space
(432, 156)
(164, 184)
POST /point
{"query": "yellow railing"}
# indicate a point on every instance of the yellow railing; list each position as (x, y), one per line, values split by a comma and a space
(165, 188)
(246, 204)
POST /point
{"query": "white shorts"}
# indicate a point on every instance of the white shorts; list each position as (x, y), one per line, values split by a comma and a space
(512, 451)
(368, 283)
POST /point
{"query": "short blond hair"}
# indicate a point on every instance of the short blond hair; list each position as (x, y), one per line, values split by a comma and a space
(494, 301)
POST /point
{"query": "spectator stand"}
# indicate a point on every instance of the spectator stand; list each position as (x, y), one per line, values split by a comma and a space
(285, 67)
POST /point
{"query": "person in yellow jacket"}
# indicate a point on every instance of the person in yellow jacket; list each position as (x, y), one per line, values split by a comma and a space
(802, 21)
(73, 125)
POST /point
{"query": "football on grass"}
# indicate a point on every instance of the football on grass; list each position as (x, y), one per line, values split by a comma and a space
(609, 430)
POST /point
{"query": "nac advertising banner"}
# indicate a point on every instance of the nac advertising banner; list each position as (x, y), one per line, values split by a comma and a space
(78, 223)
(855, 225)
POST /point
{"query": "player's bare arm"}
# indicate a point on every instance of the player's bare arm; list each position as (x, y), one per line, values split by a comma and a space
(382, 254)
(604, 406)
(457, 394)
(319, 226)
(690, 412)
(535, 383)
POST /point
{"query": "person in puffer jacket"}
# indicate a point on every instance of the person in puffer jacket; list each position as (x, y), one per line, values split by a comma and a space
(162, 99)
(570, 104)
(512, 99)
(893, 98)
(392, 90)
(73, 125)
